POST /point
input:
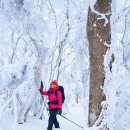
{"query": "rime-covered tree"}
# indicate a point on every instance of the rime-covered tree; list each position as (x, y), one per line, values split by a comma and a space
(43, 40)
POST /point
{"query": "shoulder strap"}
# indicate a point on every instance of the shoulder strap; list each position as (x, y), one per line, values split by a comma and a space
(56, 93)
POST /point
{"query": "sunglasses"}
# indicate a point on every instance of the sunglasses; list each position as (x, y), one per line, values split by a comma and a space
(53, 85)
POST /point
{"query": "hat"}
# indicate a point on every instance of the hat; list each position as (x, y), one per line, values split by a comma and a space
(54, 82)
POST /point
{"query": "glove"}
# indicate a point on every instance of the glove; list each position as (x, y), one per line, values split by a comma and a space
(41, 87)
(41, 84)
(41, 90)
(59, 111)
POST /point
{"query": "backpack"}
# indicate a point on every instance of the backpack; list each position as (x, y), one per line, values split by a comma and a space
(61, 89)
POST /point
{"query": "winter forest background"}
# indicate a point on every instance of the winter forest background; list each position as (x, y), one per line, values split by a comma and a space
(83, 44)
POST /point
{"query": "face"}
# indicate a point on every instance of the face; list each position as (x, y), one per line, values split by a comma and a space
(53, 85)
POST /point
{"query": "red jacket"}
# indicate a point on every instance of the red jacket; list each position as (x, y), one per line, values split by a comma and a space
(51, 93)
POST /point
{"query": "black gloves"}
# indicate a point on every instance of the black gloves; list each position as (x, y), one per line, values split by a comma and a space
(59, 111)
(41, 85)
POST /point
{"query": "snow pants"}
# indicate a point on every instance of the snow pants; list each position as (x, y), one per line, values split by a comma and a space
(52, 119)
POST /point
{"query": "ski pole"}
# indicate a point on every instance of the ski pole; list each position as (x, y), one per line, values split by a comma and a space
(71, 121)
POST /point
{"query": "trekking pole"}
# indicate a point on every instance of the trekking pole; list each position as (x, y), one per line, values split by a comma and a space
(71, 121)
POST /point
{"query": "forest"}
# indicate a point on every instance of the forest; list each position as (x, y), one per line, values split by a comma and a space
(83, 45)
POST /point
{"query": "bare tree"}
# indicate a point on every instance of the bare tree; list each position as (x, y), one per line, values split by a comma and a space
(60, 45)
(98, 32)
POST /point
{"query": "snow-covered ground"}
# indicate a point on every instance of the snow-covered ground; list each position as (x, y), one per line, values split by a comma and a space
(76, 114)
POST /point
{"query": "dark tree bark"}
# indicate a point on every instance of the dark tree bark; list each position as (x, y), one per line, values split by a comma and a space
(97, 34)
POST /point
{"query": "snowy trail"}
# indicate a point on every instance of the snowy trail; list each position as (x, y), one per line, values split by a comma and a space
(33, 123)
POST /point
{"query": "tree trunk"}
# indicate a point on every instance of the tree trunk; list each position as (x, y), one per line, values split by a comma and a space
(97, 34)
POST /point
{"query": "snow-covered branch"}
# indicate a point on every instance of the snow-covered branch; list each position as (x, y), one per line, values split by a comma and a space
(102, 16)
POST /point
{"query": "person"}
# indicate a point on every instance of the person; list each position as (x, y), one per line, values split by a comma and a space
(55, 103)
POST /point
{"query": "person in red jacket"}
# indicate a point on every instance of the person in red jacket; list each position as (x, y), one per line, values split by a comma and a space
(55, 103)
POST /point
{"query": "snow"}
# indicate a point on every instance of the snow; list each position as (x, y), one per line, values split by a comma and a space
(76, 114)
(39, 28)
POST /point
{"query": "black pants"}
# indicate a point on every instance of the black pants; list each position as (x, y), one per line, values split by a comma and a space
(52, 119)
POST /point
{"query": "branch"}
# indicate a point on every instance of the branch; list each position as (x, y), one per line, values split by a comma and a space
(55, 20)
(3, 107)
(66, 66)
(124, 12)
(103, 16)
(54, 14)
